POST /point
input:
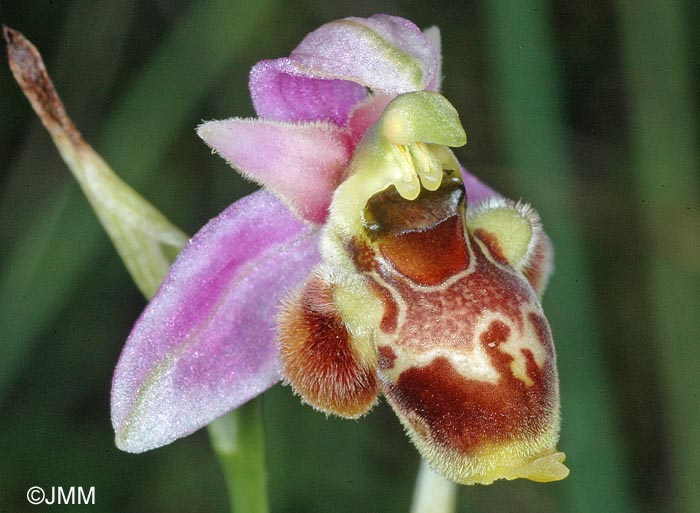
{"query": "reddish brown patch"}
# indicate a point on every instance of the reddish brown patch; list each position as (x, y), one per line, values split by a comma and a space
(537, 269)
(495, 289)
(423, 239)
(544, 334)
(317, 354)
(364, 259)
(446, 317)
(390, 318)
(492, 244)
(388, 213)
(362, 254)
(430, 256)
(387, 358)
(497, 333)
(463, 414)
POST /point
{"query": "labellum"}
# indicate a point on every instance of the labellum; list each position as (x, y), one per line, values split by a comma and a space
(432, 302)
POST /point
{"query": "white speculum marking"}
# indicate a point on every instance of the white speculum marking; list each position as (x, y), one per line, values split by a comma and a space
(472, 362)
(522, 337)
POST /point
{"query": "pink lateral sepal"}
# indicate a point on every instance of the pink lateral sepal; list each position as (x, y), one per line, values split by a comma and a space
(206, 342)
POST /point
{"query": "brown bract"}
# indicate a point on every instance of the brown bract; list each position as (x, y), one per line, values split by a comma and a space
(30, 73)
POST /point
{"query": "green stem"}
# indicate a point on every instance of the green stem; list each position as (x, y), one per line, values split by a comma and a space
(434, 493)
(238, 441)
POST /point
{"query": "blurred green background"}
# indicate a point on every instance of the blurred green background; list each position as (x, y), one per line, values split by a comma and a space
(587, 110)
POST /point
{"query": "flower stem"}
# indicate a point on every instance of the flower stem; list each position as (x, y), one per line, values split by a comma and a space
(239, 444)
(434, 493)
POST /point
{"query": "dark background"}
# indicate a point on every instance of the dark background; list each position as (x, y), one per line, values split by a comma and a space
(587, 110)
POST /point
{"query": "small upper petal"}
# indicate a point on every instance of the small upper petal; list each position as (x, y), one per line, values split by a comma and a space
(366, 114)
(302, 163)
(206, 343)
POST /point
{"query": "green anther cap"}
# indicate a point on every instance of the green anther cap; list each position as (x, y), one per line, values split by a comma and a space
(423, 116)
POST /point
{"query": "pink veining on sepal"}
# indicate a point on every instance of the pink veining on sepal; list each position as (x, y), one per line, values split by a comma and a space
(301, 163)
(206, 342)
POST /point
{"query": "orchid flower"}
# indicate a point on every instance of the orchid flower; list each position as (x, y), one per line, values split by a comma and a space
(370, 263)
